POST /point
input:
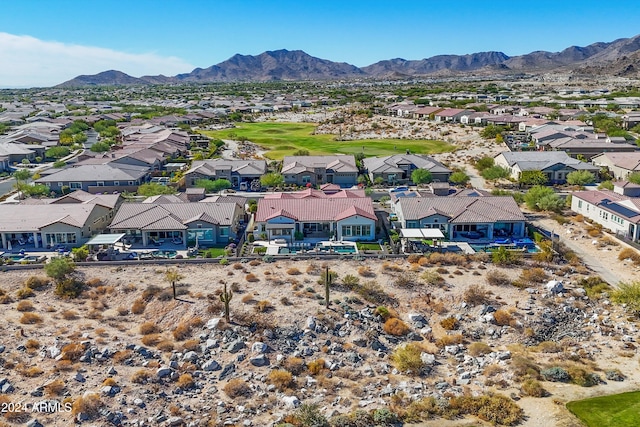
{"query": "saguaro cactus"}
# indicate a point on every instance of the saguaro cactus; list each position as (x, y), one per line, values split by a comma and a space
(225, 297)
(327, 283)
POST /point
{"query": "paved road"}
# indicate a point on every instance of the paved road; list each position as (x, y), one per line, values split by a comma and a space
(590, 260)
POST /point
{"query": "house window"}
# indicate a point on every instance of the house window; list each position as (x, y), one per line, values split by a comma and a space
(116, 183)
(306, 179)
(356, 230)
(412, 224)
(100, 184)
(224, 231)
(130, 182)
(75, 185)
(60, 184)
(580, 204)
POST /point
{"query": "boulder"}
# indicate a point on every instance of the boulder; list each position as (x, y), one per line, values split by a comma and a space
(259, 347)
(291, 401)
(163, 371)
(554, 286)
(213, 323)
(211, 365)
(259, 360)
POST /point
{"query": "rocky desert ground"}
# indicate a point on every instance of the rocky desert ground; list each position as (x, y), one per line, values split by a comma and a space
(399, 334)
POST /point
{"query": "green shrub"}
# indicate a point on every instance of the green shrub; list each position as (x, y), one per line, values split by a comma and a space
(629, 294)
(555, 374)
(406, 358)
(384, 417)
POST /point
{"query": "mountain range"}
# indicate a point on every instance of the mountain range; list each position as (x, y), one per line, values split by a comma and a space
(620, 57)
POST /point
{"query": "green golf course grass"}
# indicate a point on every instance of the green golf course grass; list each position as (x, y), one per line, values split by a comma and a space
(616, 410)
(282, 139)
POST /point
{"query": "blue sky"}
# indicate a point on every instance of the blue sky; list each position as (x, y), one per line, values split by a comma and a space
(45, 42)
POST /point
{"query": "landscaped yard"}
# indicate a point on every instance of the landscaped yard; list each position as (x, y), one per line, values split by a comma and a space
(282, 139)
(617, 410)
(368, 246)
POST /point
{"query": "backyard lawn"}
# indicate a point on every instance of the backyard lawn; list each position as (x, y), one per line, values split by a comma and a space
(617, 410)
(282, 139)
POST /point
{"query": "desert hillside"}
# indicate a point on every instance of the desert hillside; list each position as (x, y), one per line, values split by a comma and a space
(421, 338)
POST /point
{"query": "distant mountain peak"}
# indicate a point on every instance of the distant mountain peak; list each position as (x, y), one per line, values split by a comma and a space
(291, 65)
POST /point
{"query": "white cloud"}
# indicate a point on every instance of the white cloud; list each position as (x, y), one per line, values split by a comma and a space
(26, 61)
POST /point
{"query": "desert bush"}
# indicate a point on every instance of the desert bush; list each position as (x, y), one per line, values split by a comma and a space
(406, 358)
(251, 278)
(280, 378)
(309, 415)
(88, 404)
(384, 417)
(372, 292)
(449, 340)
(555, 374)
(629, 253)
(394, 326)
(141, 376)
(182, 331)
(165, 345)
(55, 388)
(405, 281)
(350, 281)
(497, 278)
(31, 372)
(25, 306)
(237, 387)
(503, 256)
(414, 258)
(32, 344)
(614, 375)
(30, 318)
(24, 293)
(263, 306)
(72, 352)
(449, 323)
(479, 349)
(628, 294)
(191, 345)
(432, 278)
(532, 388)
(581, 377)
(534, 275)
(293, 271)
(423, 261)
(138, 306)
(524, 368)
(69, 288)
(69, 314)
(365, 271)
(295, 365)
(150, 292)
(594, 232)
(383, 312)
(316, 366)
(548, 347)
(149, 328)
(495, 409)
(391, 267)
(36, 282)
(185, 382)
(502, 317)
(476, 295)
(151, 339)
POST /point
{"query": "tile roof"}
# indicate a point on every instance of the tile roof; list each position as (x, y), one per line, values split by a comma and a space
(109, 172)
(339, 163)
(628, 161)
(242, 167)
(540, 160)
(390, 163)
(171, 216)
(617, 204)
(463, 209)
(315, 209)
(17, 218)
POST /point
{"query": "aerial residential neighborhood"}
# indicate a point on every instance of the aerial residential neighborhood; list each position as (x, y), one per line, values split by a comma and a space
(338, 238)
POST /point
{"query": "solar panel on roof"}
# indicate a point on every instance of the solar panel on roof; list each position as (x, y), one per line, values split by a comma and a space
(622, 210)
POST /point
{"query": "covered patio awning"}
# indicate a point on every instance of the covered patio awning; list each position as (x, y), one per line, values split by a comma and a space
(105, 239)
(421, 233)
